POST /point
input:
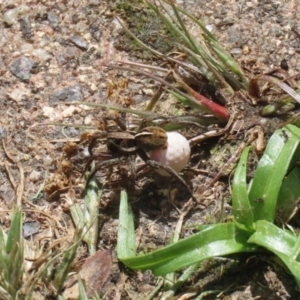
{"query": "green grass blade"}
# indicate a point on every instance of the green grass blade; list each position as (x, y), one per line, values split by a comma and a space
(15, 231)
(281, 153)
(82, 292)
(14, 254)
(4, 257)
(170, 293)
(281, 243)
(215, 240)
(86, 217)
(126, 236)
(91, 215)
(198, 53)
(242, 209)
(288, 195)
(63, 269)
(141, 113)
(220, 52)
(175, 30)
(296, 251)
(273, 238)
(213, 72)
(293, 266)
(186, 33)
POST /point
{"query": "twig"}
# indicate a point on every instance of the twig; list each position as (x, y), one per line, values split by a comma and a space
(20, 187)
(217, 132)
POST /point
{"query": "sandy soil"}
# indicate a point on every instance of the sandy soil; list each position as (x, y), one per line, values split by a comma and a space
(53, 53)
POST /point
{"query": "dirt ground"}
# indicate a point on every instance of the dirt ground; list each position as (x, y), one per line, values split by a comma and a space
(53, 52)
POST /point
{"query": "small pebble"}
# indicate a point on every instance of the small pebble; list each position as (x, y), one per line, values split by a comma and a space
(21, 67)
(30, 228)
(35, 176)
(79, 42)
(72, 93)
(53, 19)
(12, 15)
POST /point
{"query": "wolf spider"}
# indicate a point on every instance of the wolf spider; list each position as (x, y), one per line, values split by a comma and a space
(124, 145)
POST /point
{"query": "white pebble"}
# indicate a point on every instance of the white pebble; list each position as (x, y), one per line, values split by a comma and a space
(12, 15)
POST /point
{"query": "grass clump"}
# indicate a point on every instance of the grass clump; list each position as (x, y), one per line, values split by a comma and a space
(253, 228)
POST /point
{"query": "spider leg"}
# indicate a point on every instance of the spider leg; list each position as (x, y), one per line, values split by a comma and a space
(94, 158)
(163, 121)
(157, 165)
(117, 120)
(132, 171)
(123, 149)
(105, 163)
(93, 141)
(148, 121)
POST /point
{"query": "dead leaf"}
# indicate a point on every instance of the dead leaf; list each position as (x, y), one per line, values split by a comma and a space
(95, 271)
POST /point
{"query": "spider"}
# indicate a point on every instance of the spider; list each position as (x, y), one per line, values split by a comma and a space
(124, 145)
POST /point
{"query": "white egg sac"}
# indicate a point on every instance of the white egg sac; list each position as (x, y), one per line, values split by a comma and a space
(176, 155)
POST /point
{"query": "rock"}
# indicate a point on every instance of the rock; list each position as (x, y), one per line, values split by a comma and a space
(21, 68)
(30, 228)
(72, 93)
(79, 42)
(53, 19)
(11, 16)
(25, 25)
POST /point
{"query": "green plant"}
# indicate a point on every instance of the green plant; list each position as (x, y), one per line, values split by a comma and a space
(254, 210)
(11, 257)
(17, 280)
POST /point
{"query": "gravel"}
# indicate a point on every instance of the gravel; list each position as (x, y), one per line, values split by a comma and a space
(53, 52)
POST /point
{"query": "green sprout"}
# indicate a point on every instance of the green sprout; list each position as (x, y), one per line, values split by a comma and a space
(254, 211)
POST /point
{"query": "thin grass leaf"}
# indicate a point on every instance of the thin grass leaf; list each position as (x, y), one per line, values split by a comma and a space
(254, 86)
(183, 28)
(86, 217)
(222, 54)
(63, 269)
(82, 292)
(288, 195)
(186, 275)
(280, 242)
(194, 99)
(206, 72)
(293, 266)
(12, 255)
(139, 42)
(155, 52)
(208, 105)
(4, 294)
(273, 238)
(114, 107)
(212, 70)
(242, 210)
(193, 48)
(280, 155)
(91, 215)
(296, 251)
(126, 236)
(215, 240)
(15, 231)
(174, 29)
